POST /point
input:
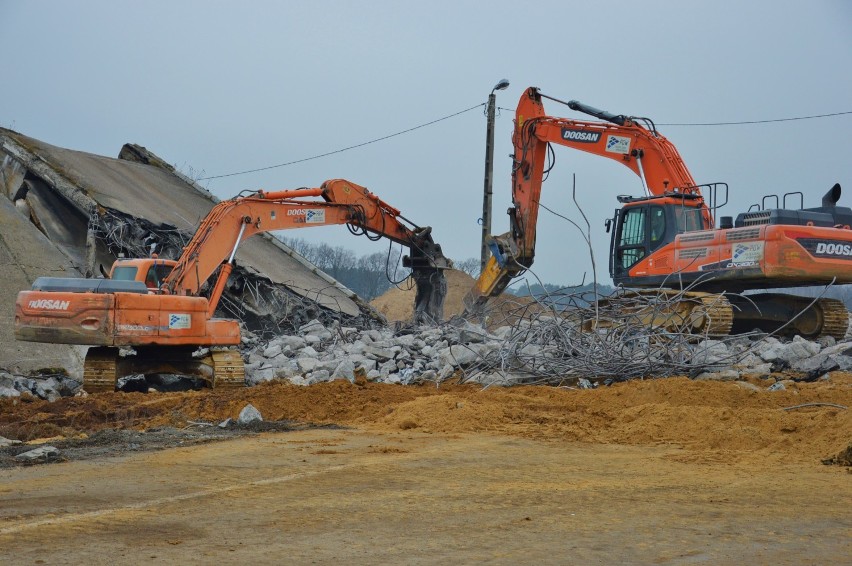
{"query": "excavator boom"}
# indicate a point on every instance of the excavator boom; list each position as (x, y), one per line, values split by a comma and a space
(642, 150)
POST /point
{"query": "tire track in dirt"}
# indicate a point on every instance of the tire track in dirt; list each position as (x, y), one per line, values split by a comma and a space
(364, 460)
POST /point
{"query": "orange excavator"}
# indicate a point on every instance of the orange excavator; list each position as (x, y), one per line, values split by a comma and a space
(667, 238)
(162, 313)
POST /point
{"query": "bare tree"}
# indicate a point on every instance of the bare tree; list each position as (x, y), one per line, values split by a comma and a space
(469, 266)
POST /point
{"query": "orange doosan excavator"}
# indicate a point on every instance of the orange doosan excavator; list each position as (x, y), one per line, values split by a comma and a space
(158, 307)
(667, 238)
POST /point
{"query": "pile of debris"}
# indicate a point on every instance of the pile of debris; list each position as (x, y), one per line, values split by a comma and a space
(527, 353)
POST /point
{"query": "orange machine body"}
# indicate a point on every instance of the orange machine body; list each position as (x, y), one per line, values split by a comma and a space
(155, 302)
(120, 319)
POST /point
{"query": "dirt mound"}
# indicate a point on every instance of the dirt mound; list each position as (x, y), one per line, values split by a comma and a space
(722, 421)
(397, 304)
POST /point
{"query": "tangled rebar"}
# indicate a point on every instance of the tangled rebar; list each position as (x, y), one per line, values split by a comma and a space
(559, 338)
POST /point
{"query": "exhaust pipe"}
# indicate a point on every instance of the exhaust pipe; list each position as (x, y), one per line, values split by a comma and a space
(831, 197)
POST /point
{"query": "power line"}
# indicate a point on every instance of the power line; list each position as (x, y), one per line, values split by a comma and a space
(757, 121)
(345, 148)
(745, 121)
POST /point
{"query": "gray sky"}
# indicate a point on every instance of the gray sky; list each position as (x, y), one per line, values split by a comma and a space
(217, 87)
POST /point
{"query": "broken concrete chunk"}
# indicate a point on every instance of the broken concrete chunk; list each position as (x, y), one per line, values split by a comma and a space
(308, 351)
(249, 415)
(307, 365)
(318, 376)
(39, 455)
(381, 354)
(272, 351)
(458, 355)
(711, 352)
(314, 330)
(373, 374)
(293, 342)
(471, 334)
(9, 392)
(344, 370)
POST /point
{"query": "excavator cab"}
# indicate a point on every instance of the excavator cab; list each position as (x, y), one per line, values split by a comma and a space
(646, 224)
(151, 271)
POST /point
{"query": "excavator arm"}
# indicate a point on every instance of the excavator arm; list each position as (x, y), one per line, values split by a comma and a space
(231, 222)
(640, 148)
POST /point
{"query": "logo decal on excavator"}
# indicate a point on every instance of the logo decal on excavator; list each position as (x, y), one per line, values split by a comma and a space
(827, 248)
(582, 136)
(49, 304)
(315, 216)
(618, 144)
(747, 253)
(180, 321)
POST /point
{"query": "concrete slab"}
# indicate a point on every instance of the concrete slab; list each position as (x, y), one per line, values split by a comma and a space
(26, 253)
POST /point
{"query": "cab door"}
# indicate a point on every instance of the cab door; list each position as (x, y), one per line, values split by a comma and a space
(630, 240)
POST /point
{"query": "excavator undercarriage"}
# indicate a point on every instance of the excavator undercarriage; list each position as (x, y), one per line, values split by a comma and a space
(217, 368)
(714, 315)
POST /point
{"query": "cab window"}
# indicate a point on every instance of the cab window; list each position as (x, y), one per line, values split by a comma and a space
(124, 273)
(156, 274)
(688, 219)
(632, 241)
(658, 226)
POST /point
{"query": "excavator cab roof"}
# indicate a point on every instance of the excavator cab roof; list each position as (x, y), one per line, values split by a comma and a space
(627, 199)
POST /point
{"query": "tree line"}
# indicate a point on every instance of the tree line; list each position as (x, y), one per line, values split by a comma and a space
(372, 275)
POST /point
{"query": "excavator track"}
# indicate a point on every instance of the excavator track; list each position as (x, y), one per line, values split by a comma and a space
(228, 369)
(790, 315)
(675, 311)
(835, 318)
(712, 314)
(100, 370)
(103, 366)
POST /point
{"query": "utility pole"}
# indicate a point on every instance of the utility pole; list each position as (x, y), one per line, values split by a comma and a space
(489, 169)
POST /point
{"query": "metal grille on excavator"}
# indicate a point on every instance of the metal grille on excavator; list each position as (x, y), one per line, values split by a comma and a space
(756, 218)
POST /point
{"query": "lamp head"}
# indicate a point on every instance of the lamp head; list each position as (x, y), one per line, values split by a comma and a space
(502, 85)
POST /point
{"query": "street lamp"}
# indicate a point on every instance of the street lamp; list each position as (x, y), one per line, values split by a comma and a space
(489, 168)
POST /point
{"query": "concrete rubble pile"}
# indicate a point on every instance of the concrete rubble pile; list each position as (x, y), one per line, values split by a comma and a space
(319, 353)
(434, 354)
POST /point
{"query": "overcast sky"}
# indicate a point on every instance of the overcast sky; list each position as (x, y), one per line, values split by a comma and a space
(217, 87)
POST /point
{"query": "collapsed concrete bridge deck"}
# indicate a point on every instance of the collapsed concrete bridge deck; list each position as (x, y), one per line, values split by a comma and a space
(70, 213)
